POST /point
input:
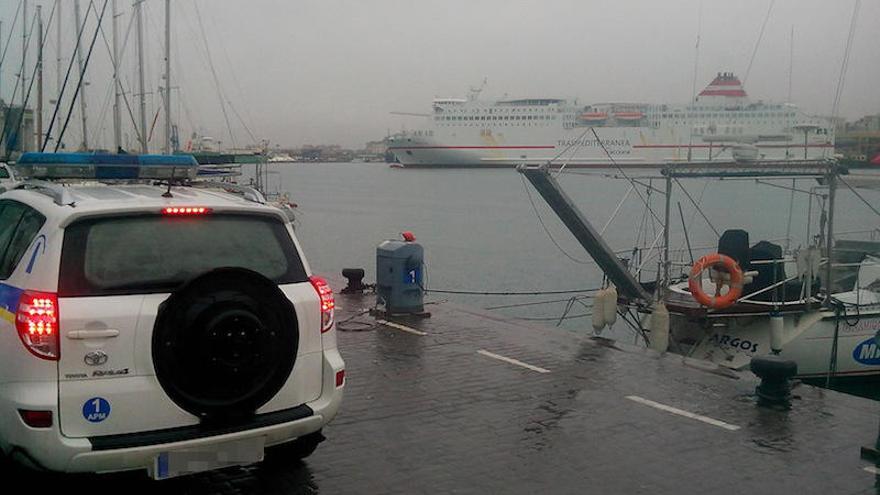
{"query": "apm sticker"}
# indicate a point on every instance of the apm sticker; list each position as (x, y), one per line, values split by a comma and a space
(96, 409)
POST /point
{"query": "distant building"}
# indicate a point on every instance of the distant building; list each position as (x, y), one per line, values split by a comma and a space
(17, 130)
(859, 140)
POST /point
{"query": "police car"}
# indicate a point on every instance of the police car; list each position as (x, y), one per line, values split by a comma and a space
(150, 322)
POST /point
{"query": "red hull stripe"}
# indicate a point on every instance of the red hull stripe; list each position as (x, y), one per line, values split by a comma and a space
(684, 146)
(723, 92)
(470, 147)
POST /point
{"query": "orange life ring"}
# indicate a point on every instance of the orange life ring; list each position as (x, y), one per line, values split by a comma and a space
(695, 281)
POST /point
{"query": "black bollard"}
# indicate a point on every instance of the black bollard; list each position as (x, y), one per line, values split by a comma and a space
(355, 277)
(775, 373)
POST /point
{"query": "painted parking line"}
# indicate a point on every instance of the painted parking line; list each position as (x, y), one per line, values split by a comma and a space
(871, 469)
(402, 328)
(512, 361)
(681, 412)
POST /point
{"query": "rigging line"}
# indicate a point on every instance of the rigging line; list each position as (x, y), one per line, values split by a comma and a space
(845, 62)
(80, 30)
(625, 176)
(793, 189)
(534, 303)
(617, 210)
(508, 293)
(694, 213)
(214, 73)
(120, 77)
(758, 42)
(851, 188)
(81, 77)
(241, 120)
(650, 250)
(11, 30)
(576, 142)
(241, 93)
(699, 210)
(544, 226)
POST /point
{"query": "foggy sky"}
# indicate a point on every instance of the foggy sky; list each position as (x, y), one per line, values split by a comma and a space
(331, 71)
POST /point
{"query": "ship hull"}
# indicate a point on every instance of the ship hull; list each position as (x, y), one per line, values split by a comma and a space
(631, 147)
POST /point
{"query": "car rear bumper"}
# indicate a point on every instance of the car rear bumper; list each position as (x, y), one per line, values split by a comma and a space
(49, 449)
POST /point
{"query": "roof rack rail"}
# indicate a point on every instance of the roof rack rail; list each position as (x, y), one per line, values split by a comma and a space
(58, 192)
(247, 192)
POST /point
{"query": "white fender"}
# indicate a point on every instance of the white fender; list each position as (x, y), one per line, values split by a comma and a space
(659, 326)
(610, 305)
(598, 316)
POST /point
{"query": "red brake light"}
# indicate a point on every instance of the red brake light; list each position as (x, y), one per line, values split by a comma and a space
(37, 323)
(325, 293)
(185, 210)
(340, 378)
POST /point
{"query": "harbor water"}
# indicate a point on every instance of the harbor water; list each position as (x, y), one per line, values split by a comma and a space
(487, 230)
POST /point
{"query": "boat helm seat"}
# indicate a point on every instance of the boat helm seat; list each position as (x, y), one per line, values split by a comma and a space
(735, 243)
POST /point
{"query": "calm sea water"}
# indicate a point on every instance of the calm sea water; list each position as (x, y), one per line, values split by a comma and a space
(480, 231)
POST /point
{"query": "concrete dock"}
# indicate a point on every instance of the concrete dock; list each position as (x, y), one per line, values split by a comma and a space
(470, 402)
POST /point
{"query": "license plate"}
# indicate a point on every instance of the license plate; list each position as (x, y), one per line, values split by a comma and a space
(184, 461)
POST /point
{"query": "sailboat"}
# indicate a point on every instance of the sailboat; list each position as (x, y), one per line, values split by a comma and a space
(818, 306)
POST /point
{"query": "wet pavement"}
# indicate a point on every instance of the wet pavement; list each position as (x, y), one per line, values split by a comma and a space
(469, 402)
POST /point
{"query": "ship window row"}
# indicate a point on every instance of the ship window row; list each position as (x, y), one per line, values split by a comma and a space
(498, 110)
(498, 117)
(715, 115)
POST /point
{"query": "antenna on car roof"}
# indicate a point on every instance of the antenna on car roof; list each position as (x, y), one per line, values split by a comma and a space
(167, 193)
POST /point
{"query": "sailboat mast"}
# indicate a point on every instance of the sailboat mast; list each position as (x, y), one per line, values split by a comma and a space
(23, 75)
(58, 51)
(117, 122)
(829, 233)
(39, 133)
(84, 145)
(168, 77)
(790, 62)
(139, 12)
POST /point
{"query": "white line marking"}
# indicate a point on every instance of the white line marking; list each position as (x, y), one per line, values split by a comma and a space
(872, 470)
(400, 327)
(512, 361)
(680, 412)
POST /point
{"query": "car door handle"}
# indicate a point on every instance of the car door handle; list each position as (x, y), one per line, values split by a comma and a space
(92, 334)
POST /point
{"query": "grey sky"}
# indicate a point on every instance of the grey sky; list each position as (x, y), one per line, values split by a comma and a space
(331, 71)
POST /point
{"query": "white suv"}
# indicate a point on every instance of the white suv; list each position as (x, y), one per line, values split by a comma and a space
(171, 329)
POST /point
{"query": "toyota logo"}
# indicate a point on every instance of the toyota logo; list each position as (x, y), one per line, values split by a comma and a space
(96, 358)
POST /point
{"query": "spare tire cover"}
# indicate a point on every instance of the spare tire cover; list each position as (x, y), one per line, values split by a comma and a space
(225, 343)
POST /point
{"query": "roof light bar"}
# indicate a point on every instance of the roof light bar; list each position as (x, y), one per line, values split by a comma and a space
(104, 166)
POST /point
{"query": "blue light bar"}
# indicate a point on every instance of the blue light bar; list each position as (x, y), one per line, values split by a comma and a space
(105, 166)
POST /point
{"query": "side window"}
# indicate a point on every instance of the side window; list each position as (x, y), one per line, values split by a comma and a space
(18, 226)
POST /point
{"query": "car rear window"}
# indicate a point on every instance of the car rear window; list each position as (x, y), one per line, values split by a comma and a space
(4, 174)
(143, 254)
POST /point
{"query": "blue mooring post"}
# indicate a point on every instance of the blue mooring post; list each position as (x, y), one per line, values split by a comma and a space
(400, 270)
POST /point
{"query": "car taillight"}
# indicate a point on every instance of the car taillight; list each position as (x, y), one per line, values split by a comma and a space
(185, 210)
(325, 293)
(37, 323)
(36, 419)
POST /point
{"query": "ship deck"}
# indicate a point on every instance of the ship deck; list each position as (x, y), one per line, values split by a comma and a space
(469, 402)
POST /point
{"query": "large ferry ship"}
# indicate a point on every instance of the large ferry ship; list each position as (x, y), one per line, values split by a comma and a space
(721, 124)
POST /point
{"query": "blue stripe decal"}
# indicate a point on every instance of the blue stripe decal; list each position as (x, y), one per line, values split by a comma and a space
(9, 297)
(39, 248)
